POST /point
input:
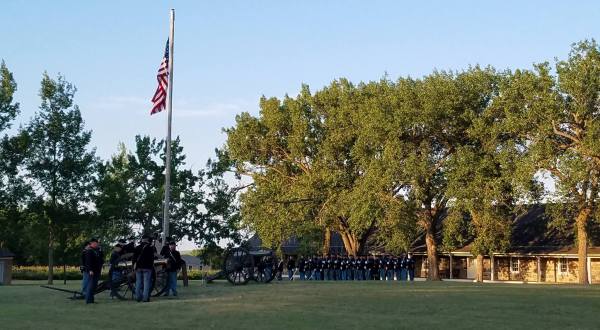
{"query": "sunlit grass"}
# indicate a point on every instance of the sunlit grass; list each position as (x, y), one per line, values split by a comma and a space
(310, 305)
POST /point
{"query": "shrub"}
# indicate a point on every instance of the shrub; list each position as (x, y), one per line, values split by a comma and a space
(41, 273)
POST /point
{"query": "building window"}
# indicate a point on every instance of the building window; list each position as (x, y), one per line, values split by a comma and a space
(189, 267)
(514, 265)
(563, 265)
(425, 263)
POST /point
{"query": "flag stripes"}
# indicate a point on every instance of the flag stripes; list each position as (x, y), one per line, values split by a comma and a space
(159, 100)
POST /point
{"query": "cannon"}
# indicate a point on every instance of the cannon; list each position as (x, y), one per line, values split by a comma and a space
(124, 282)
(242, 265)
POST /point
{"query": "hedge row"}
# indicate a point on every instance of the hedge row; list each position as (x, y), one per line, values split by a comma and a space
(73, 273)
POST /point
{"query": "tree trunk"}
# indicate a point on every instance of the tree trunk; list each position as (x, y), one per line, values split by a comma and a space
(351, 243)
(581, 222)
(50, 256)
(432, 271)
(327, 241)
(479, 276)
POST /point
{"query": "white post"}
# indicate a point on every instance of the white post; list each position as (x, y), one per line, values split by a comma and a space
(589, 267)
(492, 267)
(450, 266)
(165, 233)
(539, 270)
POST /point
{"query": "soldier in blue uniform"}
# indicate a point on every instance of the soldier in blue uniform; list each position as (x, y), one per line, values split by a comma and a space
(343, 268)
(389, 268)
(327, 268)
(316, 268)
(403, 272)
(302, 268)
(381, 268)
(410, 267)
(336, 267)
(291, 268)
(369, 267)
(396, 266)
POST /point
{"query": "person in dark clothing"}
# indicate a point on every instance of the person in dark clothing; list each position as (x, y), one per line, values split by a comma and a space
(93, 266)
(396, 266)
(84, 273)
(381, 268)
(280, 270)
(291, 268)
(302, 268)
(371, 267)
(143, 258)
(268, 264)
(344, 268)
(366, 268)
(327, 268)
(360, 268)
(336, 265)
(316, 268)
(389, 268)
(403, 270)
(113, 273)
(174, 263)
(410, 267)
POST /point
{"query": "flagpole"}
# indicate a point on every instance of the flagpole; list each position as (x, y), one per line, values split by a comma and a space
(166, 214)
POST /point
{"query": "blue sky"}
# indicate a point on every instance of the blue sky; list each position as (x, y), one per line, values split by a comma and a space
(229, 53)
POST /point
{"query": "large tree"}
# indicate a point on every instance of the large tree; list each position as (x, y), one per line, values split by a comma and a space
(484, 180)
(13, 189)
(131, 189)
(559, 117)
(299, 154)
(60, 165)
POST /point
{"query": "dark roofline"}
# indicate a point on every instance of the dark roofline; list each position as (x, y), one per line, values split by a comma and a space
(5, 253)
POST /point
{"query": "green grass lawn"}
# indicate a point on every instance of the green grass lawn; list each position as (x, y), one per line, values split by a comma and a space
(310, 305)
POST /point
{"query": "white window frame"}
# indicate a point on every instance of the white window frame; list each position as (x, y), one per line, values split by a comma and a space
(563, 261)
(512, 260)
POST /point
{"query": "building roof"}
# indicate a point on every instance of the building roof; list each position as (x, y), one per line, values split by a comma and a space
(5, 253)
(291, 246)
(191, 260)
(532, 234)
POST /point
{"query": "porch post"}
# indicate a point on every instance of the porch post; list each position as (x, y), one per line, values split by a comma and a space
(589, 269)
(539, 270)
(450, 265)
(492, 275)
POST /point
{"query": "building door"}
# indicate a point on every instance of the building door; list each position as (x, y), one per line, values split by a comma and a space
(471, 267)
(1, 272)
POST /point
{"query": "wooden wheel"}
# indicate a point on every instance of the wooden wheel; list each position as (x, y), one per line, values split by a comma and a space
(238, 266)
(159, 278)
(125, 286)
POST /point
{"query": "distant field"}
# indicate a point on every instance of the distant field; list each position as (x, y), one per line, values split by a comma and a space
(310, 305)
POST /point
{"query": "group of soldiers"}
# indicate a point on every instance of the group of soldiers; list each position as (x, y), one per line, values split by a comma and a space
(349, 268)
(142, 257)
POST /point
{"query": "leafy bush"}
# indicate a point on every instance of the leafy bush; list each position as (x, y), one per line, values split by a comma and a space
(73, 273)
(198, 274)
(41, 273)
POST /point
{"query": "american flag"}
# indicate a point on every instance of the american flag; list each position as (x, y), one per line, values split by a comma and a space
(159, 100)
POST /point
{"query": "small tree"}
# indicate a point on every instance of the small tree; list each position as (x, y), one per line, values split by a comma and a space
(59, 163)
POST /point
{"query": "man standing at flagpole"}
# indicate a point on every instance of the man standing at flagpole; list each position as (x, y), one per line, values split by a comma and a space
(163, 97)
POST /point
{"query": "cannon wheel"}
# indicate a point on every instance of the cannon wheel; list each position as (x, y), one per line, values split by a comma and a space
(159, 281)
(125, 286)
(238, 266)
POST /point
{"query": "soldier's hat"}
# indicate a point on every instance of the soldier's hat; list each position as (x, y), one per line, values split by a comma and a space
(93, 239)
